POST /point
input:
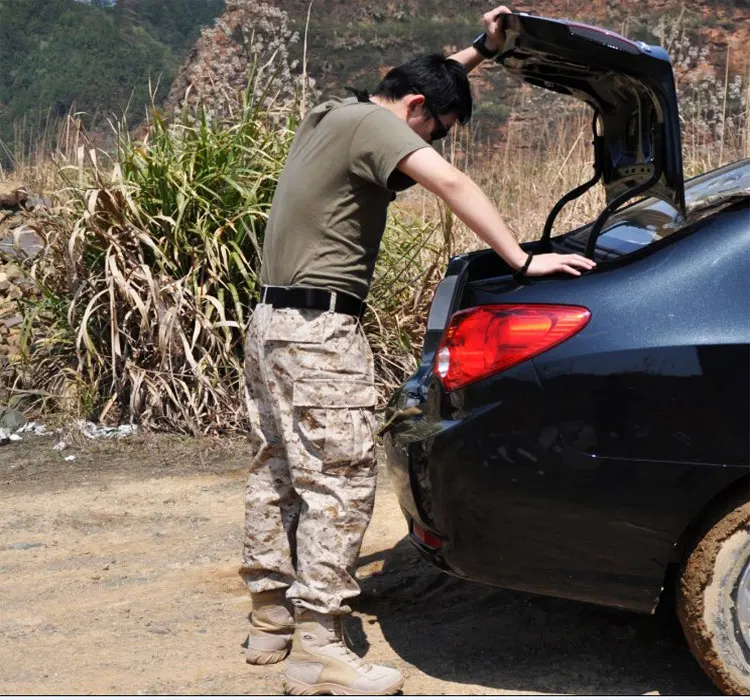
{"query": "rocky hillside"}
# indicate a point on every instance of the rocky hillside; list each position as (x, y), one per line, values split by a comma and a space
(97, 56)
(352, 43)
(19, 244)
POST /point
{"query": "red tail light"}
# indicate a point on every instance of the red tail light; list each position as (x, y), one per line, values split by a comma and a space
(485, 340)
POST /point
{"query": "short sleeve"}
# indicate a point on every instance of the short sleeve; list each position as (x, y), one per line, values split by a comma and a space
(380, 143)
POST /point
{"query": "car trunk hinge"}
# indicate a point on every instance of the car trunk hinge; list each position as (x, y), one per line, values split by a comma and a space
(610, 209)
(578, 191)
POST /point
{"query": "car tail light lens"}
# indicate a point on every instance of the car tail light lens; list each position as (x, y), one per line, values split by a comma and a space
(485, 340)
(426, 537)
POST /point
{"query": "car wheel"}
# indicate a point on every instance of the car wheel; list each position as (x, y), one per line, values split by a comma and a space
(713, 601)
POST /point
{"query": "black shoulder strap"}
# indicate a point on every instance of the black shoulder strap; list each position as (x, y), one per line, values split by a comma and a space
(361, 95)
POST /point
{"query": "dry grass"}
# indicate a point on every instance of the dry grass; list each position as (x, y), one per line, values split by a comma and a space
(152, 255)
(150, 269)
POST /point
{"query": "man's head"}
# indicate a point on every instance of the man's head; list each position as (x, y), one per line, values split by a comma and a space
(431, 93)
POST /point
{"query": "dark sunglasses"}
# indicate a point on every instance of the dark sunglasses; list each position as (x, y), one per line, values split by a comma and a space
(440, 131)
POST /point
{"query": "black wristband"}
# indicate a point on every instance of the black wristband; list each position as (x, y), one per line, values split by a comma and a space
(480, 46)
(518, 274)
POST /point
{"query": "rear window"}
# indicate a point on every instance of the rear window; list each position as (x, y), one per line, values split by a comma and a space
(651, 220)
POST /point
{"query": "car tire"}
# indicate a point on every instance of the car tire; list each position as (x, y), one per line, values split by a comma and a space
(709, 599)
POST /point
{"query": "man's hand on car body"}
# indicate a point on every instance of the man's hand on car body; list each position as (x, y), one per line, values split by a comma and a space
(550, 263)
(467, 201)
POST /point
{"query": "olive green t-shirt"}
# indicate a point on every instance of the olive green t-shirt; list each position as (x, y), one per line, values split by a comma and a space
(329, 211)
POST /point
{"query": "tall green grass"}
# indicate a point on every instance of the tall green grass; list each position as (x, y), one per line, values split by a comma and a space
(151, 268)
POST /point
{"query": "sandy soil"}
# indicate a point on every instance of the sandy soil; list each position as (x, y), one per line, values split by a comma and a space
(119, 575)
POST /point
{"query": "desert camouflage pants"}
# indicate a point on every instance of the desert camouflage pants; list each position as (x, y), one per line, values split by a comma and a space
(311, 488)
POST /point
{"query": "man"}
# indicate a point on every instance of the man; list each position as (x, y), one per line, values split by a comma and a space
(309, 368)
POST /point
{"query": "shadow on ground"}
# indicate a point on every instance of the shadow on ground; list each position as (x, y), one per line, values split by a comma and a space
(469, 633)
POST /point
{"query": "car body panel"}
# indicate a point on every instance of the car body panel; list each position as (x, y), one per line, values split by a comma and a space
(577, 472)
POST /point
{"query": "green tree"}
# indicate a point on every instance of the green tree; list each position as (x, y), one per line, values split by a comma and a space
(97, 58)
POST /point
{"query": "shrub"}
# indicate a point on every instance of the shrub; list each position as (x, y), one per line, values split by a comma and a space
(151, 267)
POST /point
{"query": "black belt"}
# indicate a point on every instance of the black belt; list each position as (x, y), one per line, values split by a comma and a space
(312, 298)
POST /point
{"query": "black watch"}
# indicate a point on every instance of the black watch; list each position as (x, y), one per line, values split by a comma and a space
(480, 46)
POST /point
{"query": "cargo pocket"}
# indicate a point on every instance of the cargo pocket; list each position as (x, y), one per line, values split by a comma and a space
(334, 421)
(310, 326)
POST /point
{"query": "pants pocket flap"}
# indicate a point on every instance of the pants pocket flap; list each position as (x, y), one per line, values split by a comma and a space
(328, 393)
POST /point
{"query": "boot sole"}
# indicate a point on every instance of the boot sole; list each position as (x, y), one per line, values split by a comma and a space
(298, 688)
(259, 657)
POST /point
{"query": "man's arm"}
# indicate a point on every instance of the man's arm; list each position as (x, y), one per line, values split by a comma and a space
(470, 58)
(472, 206)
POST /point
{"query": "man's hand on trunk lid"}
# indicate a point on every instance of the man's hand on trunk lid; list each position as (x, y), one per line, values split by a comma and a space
(493, 27)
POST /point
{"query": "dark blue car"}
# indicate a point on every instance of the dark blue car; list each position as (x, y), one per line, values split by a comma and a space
(588, 437)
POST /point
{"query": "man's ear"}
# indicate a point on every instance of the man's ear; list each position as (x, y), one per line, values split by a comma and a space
(413, 103)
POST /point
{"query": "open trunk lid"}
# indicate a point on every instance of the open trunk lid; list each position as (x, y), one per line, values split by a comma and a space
(637, 149)
(630, 86)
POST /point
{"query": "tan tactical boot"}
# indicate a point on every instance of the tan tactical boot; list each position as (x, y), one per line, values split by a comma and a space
(321, 663)
(271, 627)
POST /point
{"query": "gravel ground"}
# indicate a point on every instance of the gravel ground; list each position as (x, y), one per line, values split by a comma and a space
(119, 575)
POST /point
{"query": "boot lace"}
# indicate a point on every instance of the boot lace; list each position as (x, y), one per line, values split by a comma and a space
(341, 646)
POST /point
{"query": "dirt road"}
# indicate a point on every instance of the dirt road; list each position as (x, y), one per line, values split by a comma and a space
(119, 575)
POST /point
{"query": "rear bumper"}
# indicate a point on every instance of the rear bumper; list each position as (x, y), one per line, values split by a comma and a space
(397, 460)
(409, 478)
(493, 541)
(518, 510)
(432, 554)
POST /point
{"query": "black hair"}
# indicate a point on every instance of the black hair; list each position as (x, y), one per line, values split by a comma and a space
(443, 82)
